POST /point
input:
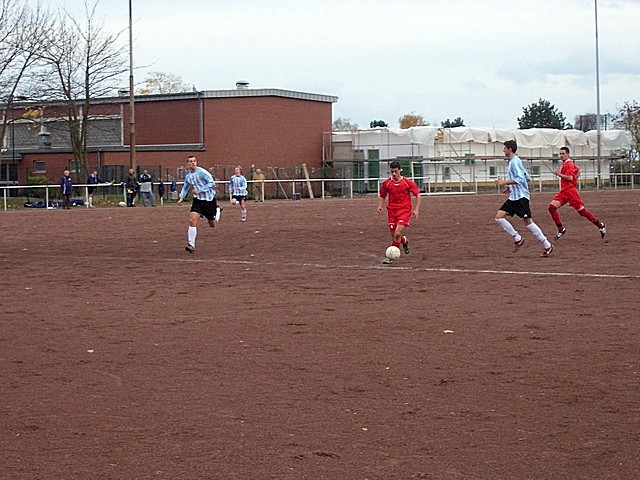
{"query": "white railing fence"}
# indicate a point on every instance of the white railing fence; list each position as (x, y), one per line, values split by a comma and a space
(295, 189)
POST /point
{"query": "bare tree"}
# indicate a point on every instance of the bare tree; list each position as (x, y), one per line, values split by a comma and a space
(628, 118)
(81, 61)
(343, 125)
(161, 83)
(21, 30)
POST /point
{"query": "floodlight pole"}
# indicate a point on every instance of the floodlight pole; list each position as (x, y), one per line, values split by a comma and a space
(132, 108)
(598, 127)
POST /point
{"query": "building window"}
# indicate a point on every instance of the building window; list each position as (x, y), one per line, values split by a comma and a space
(493, 171)
(9, 172)
(535, 170)
(73, 166)
(373, 154)
(39, 166)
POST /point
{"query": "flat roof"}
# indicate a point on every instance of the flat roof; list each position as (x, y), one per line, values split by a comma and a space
(234, 93)
(269, 92)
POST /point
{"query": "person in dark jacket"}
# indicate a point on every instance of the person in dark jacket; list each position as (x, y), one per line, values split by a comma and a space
(66, 188)
(92, 183)
(160, 190)
(132, 187)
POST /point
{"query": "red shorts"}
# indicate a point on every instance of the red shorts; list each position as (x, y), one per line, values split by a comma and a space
(570, 196)
(398, 217)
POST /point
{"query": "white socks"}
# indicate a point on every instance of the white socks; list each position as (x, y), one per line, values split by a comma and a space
(535, 229)
(507, 227)
(192, 233)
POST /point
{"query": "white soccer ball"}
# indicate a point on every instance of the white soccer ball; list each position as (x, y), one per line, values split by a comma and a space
(392, 253)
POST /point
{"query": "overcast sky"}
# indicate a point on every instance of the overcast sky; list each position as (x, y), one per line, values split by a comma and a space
(482, 60)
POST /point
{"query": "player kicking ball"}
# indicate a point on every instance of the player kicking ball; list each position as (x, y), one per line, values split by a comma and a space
(399, 206)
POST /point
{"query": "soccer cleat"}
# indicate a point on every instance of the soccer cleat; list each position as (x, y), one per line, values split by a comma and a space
(518, 244)
(387, 261)
(190, 248)
(218, 212)
(603, 230)
(405, 247)
(561, 233)
(547, 251)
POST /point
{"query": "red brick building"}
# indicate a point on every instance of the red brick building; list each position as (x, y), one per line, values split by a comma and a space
(261, 127)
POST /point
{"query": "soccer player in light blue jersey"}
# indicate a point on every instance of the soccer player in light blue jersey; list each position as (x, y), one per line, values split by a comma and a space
(238, 191)
(203, 188)
(517, 188)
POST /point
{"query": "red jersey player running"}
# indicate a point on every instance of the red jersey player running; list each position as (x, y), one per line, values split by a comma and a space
(399, 190)
(569, 194)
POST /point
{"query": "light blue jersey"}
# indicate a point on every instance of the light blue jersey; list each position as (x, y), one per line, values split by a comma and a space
(202, 181)
(238, 186)
(516, 172)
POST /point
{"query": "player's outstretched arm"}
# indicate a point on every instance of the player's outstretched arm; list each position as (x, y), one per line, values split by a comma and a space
(416, 210)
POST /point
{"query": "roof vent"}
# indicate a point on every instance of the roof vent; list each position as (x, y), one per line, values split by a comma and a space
(242, 84)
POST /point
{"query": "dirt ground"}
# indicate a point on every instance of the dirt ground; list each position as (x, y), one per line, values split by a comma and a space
(283, 349)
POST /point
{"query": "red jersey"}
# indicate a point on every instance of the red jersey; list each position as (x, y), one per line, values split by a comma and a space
(399, 193)
(569, 168)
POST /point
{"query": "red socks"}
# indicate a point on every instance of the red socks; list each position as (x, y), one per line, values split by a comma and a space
(553, 210)
(589, 216)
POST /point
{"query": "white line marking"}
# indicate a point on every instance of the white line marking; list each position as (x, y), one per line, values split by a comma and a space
(430, 269)
(383, 267)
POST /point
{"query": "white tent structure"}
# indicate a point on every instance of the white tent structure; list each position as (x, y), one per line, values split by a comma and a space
(468, 156)
(451, 143)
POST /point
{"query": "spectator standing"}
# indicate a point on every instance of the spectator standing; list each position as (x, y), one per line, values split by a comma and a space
(161, 192)
(66, 187)
(146, 189)
(92, 183)
(258, 185)
(132, 186)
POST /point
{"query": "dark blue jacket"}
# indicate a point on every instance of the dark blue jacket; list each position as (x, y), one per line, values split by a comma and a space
(94, 180)
(65, 185)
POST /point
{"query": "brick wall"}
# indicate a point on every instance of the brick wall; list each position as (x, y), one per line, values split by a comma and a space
(265, 131)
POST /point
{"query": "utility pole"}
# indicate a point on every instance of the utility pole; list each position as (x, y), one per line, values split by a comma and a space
(132, 107)
(598, 127)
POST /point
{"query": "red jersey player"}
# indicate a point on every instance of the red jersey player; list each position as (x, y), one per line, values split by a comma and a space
(399, 209)
(569, 194)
